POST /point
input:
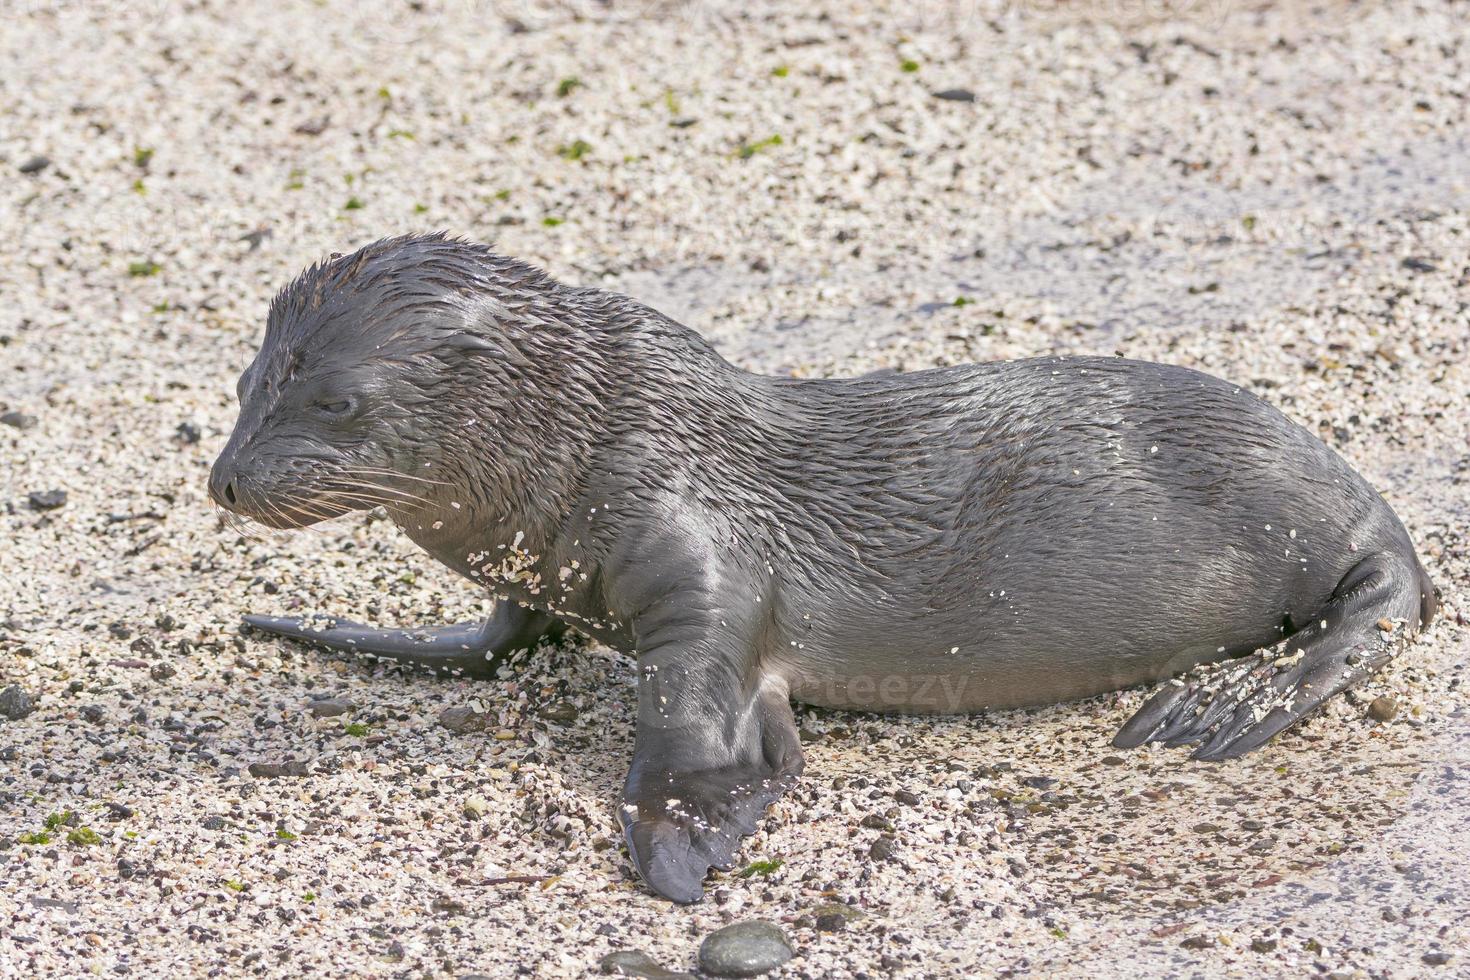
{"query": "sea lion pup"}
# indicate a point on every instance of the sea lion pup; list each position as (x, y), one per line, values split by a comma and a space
(983, 536)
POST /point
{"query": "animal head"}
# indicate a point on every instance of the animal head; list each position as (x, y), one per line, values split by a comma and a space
(380, 372)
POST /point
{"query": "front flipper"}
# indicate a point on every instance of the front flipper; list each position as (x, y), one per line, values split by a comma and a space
(466, 649)
(702, 780)
(1364, 625)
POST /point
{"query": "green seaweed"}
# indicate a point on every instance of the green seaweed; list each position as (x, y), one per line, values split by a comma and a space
(762, 868)
(748, 150)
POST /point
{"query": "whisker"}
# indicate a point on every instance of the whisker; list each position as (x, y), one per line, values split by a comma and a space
(362, 487)
(381, 471)
(371, 499)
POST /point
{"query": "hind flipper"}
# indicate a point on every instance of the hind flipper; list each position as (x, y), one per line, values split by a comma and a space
(1365, 624)
(465, 649)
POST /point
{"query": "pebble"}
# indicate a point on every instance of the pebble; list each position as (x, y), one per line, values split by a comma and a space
(272, 770)
(745, 949)
(1383, 709)
(558, 711)
(329, 707)
(955, 95)
(882, 849)
(15, 704)
(35, 164)
(47, 499)
(835, 916)
(465, 719)
(636, 963)
(18, 420)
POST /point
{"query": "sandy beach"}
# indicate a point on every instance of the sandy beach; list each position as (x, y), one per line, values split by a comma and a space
(1278, 194)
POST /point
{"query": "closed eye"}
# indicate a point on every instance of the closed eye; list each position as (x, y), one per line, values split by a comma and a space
(334, 407)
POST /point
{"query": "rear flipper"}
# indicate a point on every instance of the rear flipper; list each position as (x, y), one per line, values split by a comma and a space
(466, 649)
(1365, 624)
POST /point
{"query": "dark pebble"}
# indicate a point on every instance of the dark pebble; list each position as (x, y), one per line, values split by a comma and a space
(745, 949)
(1113, 760)
(35, 164)
(882, 849)
(47, 499)
(271, 770)
(831, 922)
(161, 671)
(18, 420)
(636, 963)
(117, 811)
(956, 95)
(874, 822)
(1263, 945)
(15, 704)
(1436, 958)
(1205, 828)
(214, 822)
(906, 798)
(464, 719)
(1039, 782)
(1383, 709)
(187, 433)
(330, 707)
(558, 711)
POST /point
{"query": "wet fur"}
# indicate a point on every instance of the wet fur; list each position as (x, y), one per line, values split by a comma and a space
(978, 536)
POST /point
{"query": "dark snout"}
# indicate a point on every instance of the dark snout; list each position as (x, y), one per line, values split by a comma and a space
(224, 480)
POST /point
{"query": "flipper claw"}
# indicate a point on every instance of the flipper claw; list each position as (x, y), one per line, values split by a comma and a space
(1241, 707)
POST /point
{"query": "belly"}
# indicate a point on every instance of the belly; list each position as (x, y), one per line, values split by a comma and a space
(1039, 642)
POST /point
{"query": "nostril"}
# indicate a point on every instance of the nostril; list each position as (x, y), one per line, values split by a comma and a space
(229, 492)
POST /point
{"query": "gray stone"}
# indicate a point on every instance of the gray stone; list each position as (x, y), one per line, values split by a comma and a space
(464, 719)
(274, 770)
(15, 704)
(18, 420)
(47, 499)
(330, 707)
(636, 963)
(745, 949)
